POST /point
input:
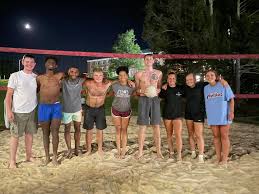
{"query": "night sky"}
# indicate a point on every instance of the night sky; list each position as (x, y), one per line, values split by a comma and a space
(74, 25)
(78, 25)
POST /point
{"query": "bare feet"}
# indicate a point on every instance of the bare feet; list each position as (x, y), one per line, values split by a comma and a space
(88, 152)
(55, 161)
(31, 159)
(171, 155)
(139, 155)
(85, 147)
(123, 153)
(117, 155)
(159, 156)
(100, 153)
(223, 162)
(179, 158)
(12, 165)
(47, 161)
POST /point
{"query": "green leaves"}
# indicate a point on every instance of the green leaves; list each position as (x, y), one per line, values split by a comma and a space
(126, 43)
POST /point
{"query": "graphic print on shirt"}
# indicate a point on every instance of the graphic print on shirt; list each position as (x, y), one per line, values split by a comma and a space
(122, 93)
(178, 94)
(214, 95)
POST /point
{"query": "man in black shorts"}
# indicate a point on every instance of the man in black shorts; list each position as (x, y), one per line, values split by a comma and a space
(96, 91)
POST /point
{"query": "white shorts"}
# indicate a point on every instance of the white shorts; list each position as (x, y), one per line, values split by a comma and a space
(69, 117)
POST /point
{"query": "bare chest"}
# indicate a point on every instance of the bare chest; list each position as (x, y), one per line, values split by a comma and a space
(49, 82)
(149, 77)
(97, 91)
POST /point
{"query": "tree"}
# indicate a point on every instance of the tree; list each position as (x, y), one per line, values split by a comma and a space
(201, 26)
(126, 43)
(181, 26)
(178, 26)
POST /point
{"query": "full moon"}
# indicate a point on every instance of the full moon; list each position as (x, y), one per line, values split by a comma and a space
(27, 26)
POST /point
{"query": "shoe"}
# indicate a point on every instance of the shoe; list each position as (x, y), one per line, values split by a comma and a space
(193, 155)
(201, 159)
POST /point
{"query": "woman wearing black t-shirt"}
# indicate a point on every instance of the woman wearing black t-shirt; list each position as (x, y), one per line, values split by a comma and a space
(172, 114)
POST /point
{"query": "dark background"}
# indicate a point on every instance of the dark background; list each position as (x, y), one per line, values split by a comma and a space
(72, 25)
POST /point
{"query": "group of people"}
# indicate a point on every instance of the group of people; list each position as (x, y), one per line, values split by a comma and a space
(215, 98)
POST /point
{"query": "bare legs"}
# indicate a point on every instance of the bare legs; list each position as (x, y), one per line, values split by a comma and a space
(191, 132)
(176, 127)
(14, 141)
(28, 147)
(52, 127)
(196, 129)
(99, 138)
(68, 139)
(141, 139)
(157, 139)
(77, 136)
(121, 125)
(88, 138)
(221, 142)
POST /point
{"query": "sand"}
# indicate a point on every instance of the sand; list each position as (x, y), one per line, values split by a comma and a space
(92, 174)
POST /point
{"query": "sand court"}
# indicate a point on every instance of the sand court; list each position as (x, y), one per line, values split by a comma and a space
(92, 174)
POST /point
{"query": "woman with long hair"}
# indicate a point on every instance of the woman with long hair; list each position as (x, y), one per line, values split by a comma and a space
(219, 103)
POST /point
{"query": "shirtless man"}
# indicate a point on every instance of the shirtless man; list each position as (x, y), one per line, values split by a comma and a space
(50, 110)
(148, 108)
(96, 91)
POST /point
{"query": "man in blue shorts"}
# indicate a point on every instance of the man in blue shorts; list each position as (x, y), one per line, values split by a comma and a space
(50, 110)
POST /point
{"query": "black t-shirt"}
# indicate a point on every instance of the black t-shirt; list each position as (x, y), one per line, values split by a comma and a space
(195, 98)
(173, 102)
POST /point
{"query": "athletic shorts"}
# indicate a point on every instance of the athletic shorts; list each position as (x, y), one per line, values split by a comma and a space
(23, 123)
(172, 118)
(94, 116)
(48, 112)
(149, 111)
(170, 114)
(116, 113)
(195, 117)
(69, 117)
